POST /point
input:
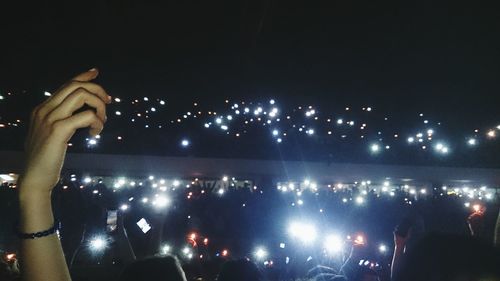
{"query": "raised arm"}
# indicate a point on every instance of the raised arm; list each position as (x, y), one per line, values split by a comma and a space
(496, 239)
(399, 251)
(52, 124)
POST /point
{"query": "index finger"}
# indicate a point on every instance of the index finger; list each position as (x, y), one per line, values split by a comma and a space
(87, 76)
(66, 90)
(74, 85)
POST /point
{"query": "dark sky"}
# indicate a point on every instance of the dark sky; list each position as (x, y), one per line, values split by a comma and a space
(434, 56)
(339, 49)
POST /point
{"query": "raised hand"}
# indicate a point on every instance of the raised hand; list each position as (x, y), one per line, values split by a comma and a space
(400, 240)
(53, 123)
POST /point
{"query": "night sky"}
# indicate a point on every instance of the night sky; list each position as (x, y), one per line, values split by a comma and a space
(400, 57)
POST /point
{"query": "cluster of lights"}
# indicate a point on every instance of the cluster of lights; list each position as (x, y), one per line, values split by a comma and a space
(239, 117)
(162, 188)
(304, 232)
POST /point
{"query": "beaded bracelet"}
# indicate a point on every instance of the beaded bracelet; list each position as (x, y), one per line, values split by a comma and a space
(39, 234)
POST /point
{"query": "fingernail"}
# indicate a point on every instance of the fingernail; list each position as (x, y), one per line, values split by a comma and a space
(110, 99)
(93, 69)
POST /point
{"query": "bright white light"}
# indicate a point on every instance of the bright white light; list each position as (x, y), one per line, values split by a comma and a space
(218, 120)
(310, 132)
(161, 202)
(491, 134)
(165, 249)
(162, 102)
(340, 121)
(439, 147)
(472, 141)
(143, 225)
(304, 232)
(411, 139)
(271, 101)
(220, 191)
(273, 112)
(98, 243)
(187, 253)
(124, 207)
(224, 127)
(360, 200)
(6, 177)
(382, 248)
(87, 180)
(47, 94)
(275, 132)
(92, 142)
(260, 253)
(185, 143)
(333, 244)
(375, 148)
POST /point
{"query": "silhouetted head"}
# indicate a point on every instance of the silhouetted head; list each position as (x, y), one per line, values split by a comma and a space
(241, 270)
(165, 268)
(451, 257)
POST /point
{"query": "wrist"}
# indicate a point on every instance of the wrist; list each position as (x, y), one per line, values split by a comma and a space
(29, 197)
(35, 212)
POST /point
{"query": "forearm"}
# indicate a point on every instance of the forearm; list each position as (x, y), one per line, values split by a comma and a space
(52, 125)
(396, 261)
(496, 240)
(42, 258)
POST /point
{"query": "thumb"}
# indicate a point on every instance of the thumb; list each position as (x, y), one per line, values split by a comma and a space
(86, 76)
